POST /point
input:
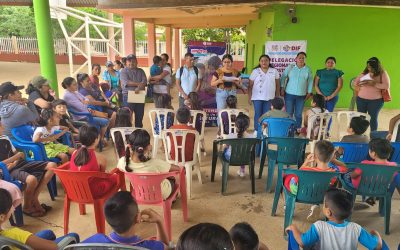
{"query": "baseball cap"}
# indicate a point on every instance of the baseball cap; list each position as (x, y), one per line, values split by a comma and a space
(8, 88)
(109, 63)
(130, 57)
(39, 81)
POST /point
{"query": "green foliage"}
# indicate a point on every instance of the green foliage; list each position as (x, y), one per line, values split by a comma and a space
(17, 21)
(214, 35)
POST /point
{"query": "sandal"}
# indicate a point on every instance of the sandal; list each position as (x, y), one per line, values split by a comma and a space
(34, 214)
(46, 208)
(370, 201)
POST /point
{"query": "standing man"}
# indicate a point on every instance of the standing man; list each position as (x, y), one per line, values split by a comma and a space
(187, 79)
(133, 79)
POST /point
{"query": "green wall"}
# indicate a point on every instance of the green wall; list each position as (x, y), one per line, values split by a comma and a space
(351, 34)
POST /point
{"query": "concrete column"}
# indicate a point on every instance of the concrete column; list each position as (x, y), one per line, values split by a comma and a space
(111, 51)
(151, 42)
(44, 33)
(129, 35)
(168, 41)
(177, 50)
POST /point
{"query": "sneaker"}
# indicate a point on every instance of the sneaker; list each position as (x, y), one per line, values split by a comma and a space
(241, 173)
(314, 214)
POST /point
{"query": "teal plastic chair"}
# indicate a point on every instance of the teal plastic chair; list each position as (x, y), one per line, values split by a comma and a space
(290, 151)
(243, 153)
(311, 190)
(375, 181)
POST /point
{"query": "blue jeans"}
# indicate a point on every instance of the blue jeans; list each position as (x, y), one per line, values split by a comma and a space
(295, 105)
(49, 235)
(181, 102)
(99, 122)
(221, 96)
(260, 108)
(330, 105)
(137, 109)
(372, 107)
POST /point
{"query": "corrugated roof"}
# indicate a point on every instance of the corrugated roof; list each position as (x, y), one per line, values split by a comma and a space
(70, 3)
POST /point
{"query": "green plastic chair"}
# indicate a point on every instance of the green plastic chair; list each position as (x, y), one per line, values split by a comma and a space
(311, 190)
(290, 152)
(375, 181)
(243, 153)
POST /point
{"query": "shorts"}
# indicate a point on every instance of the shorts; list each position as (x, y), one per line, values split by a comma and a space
(25, 168)
(53, 149)
(167, 187)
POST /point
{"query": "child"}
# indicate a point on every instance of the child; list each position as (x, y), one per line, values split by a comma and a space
(60, 108)
(276, 111)
(163, 101)
(242, 123)
(138, 159)
(25, 237)
(318, 107)
(34, 174)
(124, 119)
(86, 159)
(244, 237)
(123, 215)
(358, 126)
(155, 70)
(183, 116)
(193, 103)
(231, 103)
(205, 236)
(14, 191)
(49, 122)
(337, 233)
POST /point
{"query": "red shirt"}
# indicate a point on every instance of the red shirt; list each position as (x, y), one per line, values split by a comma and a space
(189, 147)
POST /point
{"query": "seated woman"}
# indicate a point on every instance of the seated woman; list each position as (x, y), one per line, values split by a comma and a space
(86, 159)
(40, 93)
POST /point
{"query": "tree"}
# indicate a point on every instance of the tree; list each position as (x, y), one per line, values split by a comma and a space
(17, 21)
(216, 35)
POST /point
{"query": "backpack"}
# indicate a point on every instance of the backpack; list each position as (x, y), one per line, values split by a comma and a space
(196, 70)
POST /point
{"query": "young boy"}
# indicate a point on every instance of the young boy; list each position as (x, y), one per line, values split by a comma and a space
(244, 237)
(60, 107)
(358, 126)
(44, 240)
(336, 233)
(34, 174)
(183, 117)
(122, 214)
(276, 110)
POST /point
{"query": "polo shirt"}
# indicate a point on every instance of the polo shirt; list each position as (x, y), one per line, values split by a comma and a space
(300, 80)
(188, 79)
(264, 86)
(328, 80)
(131, 241)
(17, 234)
(134, 75)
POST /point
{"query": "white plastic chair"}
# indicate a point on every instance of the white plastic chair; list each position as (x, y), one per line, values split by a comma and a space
(344, 119)
(195, 116)
(395, 130)
(232, 114)
(169, 135)
(158, 113)
(323, 130)
(124, 132)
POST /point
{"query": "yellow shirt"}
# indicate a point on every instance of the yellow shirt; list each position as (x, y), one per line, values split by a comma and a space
(16, 234)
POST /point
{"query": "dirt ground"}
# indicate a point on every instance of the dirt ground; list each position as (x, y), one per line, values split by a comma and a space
(207, 205)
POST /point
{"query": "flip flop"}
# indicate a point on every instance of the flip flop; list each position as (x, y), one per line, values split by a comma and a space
(45, 207)
(35, 214)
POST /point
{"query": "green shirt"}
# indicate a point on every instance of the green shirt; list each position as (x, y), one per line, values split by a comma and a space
(328, 80)
(274, 114)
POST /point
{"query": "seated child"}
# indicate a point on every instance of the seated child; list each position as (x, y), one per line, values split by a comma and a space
(183, 116)
(138, 159)
(123, 119)
(193, 103)
(205, 236)
(49, 123)
(276, 111)
(60, 108)
(43, 240)
(14, 191)
(163, 101)
(336, 233)
(231, 103)
(86, 159)
(34, 174)
(358, 126)
(318, 107)
(244, 237)
(122, 214)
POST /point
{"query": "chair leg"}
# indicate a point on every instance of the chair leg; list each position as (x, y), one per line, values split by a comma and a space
(270, 177)
(155, 147)
(213, 165)
(82, 209)
(99, 217)
(52, 187)
(184, 197)
(19, 217)
(278, 190)
(263, 155)
(225, 171)
(198, 173)
(252, 176)
(203, 147)
(66, 214)
(388, 208)
(199, 153)
(167, 218)
(189, 180)
(289, 211)
(381, 207)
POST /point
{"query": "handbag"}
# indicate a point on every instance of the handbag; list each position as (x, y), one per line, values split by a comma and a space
(386, 94)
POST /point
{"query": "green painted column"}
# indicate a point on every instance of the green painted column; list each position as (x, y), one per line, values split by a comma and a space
(45, 40)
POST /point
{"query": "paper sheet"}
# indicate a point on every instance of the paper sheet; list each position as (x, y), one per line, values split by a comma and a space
(366, 77)
(137, 98)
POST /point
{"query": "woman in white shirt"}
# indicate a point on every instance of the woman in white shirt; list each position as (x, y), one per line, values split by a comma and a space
(264, 86)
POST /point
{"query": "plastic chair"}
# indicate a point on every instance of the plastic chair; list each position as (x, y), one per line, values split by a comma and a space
(147, 191)
(311, 190)
(199, 116)
(344, 119)
(395, 131)
(156, 114)
(77, 189)
(101, 246)
(7, 243)
(323, 130)
(375, 181)
(290, 151)
(396, 152)
(353, 152)
(124, 132)
(243, 153)
(232, 114)
(178, 159)
(18, 214)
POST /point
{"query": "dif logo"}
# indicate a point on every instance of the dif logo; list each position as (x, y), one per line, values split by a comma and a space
(291, 48)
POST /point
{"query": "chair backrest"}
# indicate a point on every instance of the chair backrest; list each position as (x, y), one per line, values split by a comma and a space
(172, 135)
(231, 115)
(7, 243)
(242, 150)
(395, 131)
(290, 151)
(396, 152)
(321, 121)
(312, 185)
(76, 183)
(101, 246)
(123, 132)
(23, 133)
(198, 121)
(156, 114)
(353, 152)
(277, 127)
(375, 179)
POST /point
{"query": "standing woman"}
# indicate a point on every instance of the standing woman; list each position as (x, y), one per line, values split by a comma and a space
(296, 84)
(370, 84)
(264, 86)
(227, 80)
(328, 82)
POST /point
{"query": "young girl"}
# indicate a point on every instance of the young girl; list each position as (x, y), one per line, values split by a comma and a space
(193, 103)
(231, 103)
(242, 123)
(124, 119)
(138, 159)
(86, 159)
(49, 123)
(318, 107)
(164, 102)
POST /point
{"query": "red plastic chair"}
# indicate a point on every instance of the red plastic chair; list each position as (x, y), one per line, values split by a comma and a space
(76, 186)
(147, 191)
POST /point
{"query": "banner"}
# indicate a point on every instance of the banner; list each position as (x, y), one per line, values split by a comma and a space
(283, 53)
(203, 50)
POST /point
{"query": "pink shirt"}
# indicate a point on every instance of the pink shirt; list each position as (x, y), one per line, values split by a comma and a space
(374, 92)
(387, 163)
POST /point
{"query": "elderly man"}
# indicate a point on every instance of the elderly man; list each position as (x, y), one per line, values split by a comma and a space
(133, 79)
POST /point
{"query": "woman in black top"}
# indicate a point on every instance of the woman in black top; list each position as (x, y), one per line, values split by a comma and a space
(40, 93)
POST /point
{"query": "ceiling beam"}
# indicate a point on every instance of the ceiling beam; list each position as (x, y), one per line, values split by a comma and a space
(208, 19)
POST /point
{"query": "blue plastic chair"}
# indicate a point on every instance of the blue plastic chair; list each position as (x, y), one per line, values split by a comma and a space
(290, 151)
(396, 152)
(375, 181)
(353, 152)
(311, 190)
